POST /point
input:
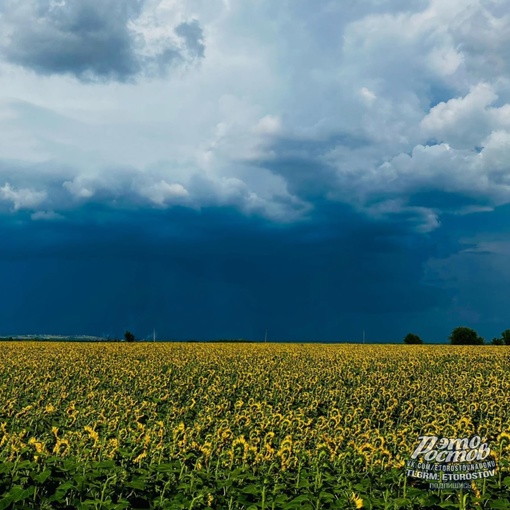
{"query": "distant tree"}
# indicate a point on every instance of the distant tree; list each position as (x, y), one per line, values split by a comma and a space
(505, 336)
(498, 341)
(411, 338)
(465, 336)
(129, 336)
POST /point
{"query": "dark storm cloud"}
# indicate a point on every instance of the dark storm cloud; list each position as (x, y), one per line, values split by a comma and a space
(301, 161)
(470, 261)
(214, 273)
(90, 40)
(343, 168)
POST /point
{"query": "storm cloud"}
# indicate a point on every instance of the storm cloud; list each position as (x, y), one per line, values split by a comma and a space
(213, 273)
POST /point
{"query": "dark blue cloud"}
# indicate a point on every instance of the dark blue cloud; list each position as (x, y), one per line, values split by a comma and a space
(469, 260)
(217, 273)
(301, 162)
(212, 274)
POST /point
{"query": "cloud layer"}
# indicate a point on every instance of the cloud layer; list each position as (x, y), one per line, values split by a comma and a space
(366, 105)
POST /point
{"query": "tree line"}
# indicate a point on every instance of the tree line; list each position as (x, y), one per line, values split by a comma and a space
(463, 335)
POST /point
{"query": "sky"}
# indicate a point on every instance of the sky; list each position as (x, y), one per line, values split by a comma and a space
(223, 168)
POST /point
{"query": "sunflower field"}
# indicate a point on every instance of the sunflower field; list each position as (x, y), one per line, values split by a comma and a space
(244, 426)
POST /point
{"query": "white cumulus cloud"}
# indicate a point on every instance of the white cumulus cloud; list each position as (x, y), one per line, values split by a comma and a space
(22, 198)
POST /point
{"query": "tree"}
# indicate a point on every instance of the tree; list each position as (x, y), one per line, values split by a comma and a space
(505, 336)
(465, 336)
(129, 336)
(498, 341)
(411, 338)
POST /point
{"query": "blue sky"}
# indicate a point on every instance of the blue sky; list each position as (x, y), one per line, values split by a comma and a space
(217, 168)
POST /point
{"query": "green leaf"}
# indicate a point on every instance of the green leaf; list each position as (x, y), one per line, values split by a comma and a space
(5, 502)
(18, 493)
(42, 477)
(61, 491)
(136, 484)
(448, 504)
(166, 468)
(401, 502)
(25, 464)
(6, 467)
(119, 506)
(326, 496)
(500, 503)
(69, 465)
(251, 489)
(105, 464)
(303, 484)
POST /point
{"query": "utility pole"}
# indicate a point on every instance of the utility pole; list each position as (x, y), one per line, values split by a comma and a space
(265, 337)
